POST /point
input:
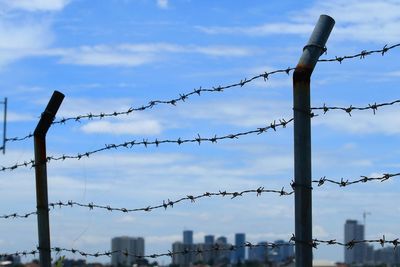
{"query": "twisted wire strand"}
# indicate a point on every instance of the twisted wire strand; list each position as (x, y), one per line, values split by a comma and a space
(348, 109)
(129, 144)
(314, 243)
(374, 107)
(183, 97)
(362, 54)
(192, 198)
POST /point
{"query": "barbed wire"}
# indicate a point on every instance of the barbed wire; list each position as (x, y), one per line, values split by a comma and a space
(129, 144)
(16, 139)
(374, 107)
(215, 248)
(193, 249)
(173, 102)
(345, 182)
(192, 198)
(362, 54)
(165, 203)
(183, 97)
(16, 215)
(349, 109)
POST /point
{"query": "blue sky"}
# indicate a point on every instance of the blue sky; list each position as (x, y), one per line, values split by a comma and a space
(113, 55)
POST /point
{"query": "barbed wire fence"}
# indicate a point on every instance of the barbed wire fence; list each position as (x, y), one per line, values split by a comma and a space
(282, 123)
(198, 92)
(215, 248)
(167, 204)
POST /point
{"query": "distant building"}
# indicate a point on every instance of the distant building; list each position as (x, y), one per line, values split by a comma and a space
(209, 253)
(186, 259)
(188, 237)
(354, 231)
(223, 255)
(128, 247)
(388, 256)
(239, 255)
(10, 260)
(209, 239)
(222, 240)
(282, 252)
(74, 263)
(259, 253)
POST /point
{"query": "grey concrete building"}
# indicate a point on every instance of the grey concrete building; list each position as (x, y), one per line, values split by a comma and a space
(128, 247)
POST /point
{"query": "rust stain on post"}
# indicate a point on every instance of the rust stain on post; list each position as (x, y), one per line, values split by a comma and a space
(302, 73)
(42, 205)
(302, 139)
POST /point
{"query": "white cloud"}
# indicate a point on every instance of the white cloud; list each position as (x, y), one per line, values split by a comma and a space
(144, 127)
(360, 20)
(163, 239)
(362, 123)
(162, 4)
(320, 232)
(18, 40)
(126, 219)
(21, 37)
(356, 20)
(17, 117)
(394, 73)
(102, 56)
(75, 106)
(244, 113)
(261, 30)
(35, 5)
(130, 55)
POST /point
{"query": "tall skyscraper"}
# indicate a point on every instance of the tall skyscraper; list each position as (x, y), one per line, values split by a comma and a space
(188, 237)
(222, 240)
(240, 254)
(209, 240)
(224, 255)
(260, 253)
(354, 231)
(283, 251)
(132, 245)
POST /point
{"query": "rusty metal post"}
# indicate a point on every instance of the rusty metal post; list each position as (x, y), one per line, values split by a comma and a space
(39, 136)
(302, 139)
(4, 126)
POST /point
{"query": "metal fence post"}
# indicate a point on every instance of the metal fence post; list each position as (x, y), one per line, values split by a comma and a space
(302, 139)
(4, 125)
(41, 177)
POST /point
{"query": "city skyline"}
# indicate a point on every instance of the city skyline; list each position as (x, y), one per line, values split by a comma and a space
(364, 253)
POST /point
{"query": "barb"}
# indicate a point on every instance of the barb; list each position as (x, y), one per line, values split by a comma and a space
(374, 107)
(282, 123)
(170, 203)
(362, 54)
(215, 248)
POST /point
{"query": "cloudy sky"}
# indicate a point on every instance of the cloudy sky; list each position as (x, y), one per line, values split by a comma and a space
(119, 54)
